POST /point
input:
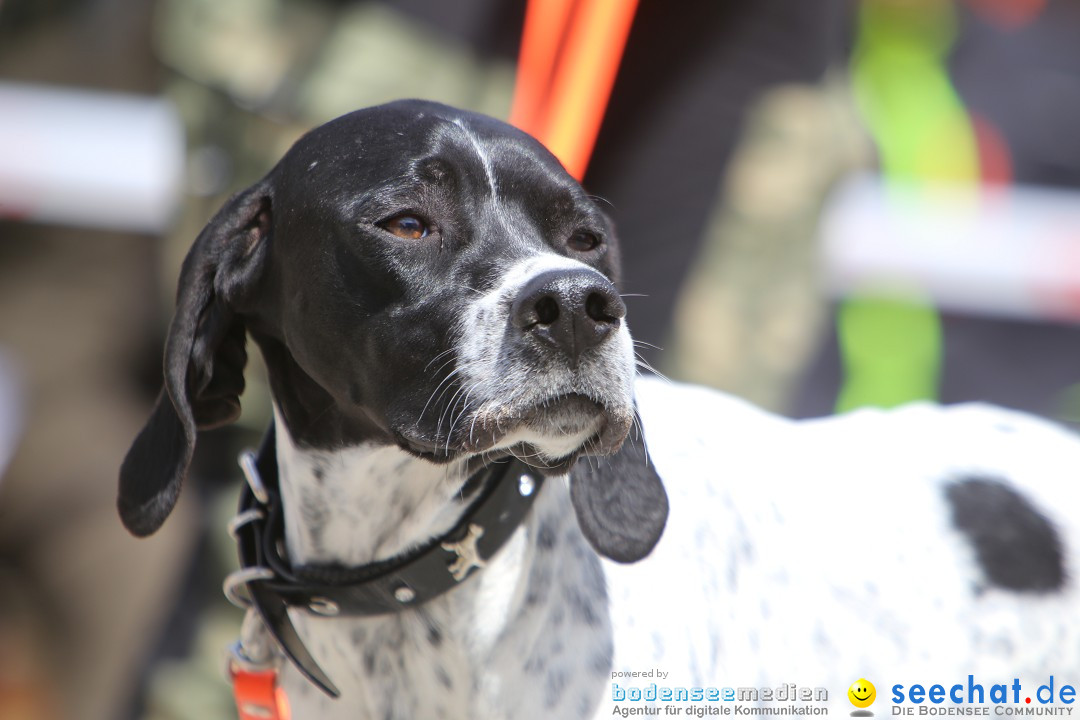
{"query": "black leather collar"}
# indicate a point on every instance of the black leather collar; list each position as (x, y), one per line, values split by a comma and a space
(506, 493)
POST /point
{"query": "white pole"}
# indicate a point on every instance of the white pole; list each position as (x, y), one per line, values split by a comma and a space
(90, 159)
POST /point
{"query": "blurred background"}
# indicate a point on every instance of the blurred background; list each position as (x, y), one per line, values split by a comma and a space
(822, 206)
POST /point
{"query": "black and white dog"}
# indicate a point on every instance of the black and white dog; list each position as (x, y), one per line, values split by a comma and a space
(432, 294)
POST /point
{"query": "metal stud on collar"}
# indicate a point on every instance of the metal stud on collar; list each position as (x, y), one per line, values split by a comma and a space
(526, 485)
(323, 606)
(468, 555)
(404, 594)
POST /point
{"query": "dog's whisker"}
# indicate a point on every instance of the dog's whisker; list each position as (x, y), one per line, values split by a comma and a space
(533, 454)
(642, 363)
(465, 409)
(453, 423)
(322, 413)
(464, 400)
(592, 448)
(434, 359)
(440, 368)
(599, 199)
(472, 425)
(446, 383)
(525, 459)
(448, 380)
(457, 377)
(640, 436)
(449, 410)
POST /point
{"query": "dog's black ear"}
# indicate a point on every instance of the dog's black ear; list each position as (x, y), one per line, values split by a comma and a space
(620, 502)
(204, 358)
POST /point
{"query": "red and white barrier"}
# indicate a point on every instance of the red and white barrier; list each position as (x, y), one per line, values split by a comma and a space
(1009, 251)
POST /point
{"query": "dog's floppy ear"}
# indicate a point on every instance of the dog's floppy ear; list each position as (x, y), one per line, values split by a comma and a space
(204, 358)
(620, 502)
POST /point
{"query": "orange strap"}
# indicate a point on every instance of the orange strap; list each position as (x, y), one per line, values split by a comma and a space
(258, 696)
(570, 54)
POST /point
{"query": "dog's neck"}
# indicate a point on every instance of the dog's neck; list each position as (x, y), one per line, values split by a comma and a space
(357, 505)
(536, 612)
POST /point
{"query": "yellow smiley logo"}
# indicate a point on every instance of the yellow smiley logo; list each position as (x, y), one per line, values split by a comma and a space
(862, 693)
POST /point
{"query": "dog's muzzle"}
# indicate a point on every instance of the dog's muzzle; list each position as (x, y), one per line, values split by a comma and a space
(548, 364)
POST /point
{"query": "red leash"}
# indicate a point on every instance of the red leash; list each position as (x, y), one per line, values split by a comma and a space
(560, 97)
(258, 696)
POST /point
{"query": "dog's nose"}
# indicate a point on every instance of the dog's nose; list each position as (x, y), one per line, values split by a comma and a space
(573, 310)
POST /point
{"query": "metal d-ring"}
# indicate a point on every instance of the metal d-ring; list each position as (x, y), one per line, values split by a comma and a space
(255, 650)
(238, 578)
(251, 474)
(241, 519)
(237, 659)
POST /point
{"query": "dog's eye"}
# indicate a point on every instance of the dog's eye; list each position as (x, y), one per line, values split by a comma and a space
(583, 241)
(406, 227)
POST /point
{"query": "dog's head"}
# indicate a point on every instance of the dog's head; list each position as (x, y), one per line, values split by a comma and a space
(421, 276)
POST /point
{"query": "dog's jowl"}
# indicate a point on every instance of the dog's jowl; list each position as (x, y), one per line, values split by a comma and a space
(457, 515)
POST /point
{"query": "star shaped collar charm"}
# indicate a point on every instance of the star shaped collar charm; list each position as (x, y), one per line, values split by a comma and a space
(468, 555)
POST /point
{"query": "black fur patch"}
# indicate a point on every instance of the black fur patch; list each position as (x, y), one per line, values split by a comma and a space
(1016, 545)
